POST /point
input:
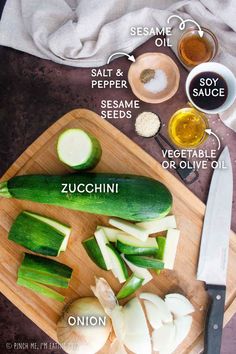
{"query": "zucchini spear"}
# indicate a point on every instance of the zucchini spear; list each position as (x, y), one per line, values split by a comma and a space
(40, 289)
(36, 271)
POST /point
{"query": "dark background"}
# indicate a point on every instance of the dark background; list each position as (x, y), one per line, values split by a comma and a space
(34, 93)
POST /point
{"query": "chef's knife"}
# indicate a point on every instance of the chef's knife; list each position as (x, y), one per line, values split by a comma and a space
(213, 259)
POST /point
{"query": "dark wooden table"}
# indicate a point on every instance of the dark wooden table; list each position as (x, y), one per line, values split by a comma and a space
(34, 93)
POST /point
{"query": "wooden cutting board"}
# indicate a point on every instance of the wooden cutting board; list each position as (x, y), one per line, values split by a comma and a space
(120, 155)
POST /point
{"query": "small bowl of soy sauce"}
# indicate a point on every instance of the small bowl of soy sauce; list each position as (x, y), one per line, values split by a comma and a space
(211, 87)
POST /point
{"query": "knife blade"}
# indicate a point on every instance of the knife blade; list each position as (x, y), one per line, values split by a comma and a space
(213, 258)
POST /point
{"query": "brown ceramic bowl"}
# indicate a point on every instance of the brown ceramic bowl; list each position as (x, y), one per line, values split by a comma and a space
(154, 61)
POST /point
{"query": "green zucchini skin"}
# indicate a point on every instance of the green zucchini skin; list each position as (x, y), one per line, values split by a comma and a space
(93, 251)
(127, 249)
(40, 289)
(161, 241)
(43, 278)
(46, 266)
(145, 262)
(139, 198)
(131, 285)
(35, 235)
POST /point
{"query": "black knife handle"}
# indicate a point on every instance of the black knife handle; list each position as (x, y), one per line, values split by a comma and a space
(214, 319)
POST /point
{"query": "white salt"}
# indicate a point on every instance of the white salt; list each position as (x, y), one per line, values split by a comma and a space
(158, 83)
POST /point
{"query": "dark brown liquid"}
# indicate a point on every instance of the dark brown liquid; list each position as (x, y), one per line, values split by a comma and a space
(208, 90)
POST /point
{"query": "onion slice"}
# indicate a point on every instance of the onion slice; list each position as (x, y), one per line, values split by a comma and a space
(164, 313)
(152, 314)
(137, 338)
(179, 305)
(164, 338)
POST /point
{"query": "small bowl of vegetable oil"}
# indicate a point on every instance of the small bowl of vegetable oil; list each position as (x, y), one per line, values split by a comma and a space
(187, 128)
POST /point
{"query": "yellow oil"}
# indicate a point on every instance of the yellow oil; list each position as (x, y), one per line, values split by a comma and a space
(187, 128)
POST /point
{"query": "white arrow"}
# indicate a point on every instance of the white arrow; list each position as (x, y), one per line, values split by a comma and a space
(130, 57)
(210, 132)
(182, 24)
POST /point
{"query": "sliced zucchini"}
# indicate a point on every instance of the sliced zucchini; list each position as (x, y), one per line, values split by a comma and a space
(131, 285)
(43, 278)
(102, 242)
(129, 240)
(131, 229)
(62, 228)
(40, 289)
(129, 245)
(78, 149)
(94, 252)
(158, 225)
(145, 262)
(172, 240)
(139, 272)
(39, 234)
(45, 271)
(161, 241)
(111, 233)
(118, 265)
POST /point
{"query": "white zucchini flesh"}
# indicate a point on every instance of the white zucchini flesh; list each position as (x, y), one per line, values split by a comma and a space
(137, 338)
(158, 225)
(129, 228)
(102, 242)
(139, 272)
(63, 229)
(111, 233)
(164, 313)
(172, 240)
(132, 241)
(77, 148)
(179, 305)
(116, 266)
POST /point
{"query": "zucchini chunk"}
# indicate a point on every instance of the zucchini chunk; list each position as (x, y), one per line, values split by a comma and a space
(78, 149)
(94, 252)
(158, 225)
(141, 273)
(40, 289)
(39, 234)
(131, 285)
(145, 262)
(45, 271)
(102, 242)
(172, 240)
(129, 228)
(118, 265)
(130, 245)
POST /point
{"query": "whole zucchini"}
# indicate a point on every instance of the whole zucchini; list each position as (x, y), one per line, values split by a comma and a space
(129, 197)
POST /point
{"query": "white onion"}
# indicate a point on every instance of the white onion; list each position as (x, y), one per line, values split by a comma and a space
(81, 339)
(164, 313)
(137, 338)
(179, 305)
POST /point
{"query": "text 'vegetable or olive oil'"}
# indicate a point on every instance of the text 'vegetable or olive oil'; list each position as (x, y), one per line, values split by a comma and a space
(187, 128)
